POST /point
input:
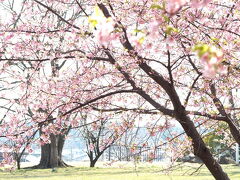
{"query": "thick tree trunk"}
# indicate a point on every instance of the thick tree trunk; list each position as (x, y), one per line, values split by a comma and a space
(61, 141)
(45, 157)
(51, 154)
(54, 151)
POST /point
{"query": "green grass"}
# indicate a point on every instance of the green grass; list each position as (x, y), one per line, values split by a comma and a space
(121, 172)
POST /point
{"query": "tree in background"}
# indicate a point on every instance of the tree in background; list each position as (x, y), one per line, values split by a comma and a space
(105, 132)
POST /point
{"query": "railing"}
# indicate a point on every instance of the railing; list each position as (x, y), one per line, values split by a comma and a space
(124, 153)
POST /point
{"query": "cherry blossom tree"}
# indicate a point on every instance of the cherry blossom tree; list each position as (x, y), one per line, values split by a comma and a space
(179, 57)
(104, 132)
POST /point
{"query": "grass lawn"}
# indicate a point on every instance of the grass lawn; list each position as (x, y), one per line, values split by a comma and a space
(122, 171)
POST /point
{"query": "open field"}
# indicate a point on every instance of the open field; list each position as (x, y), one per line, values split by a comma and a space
(120, 171)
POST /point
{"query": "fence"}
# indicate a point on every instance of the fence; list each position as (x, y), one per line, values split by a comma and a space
(124, 153)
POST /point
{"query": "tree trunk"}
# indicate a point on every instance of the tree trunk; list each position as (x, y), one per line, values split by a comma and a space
(90, 155)
(45, 157)
(54, 151)
(51, 154)
(200, 149)
(93, 162)
(18, 163)
(61, 141)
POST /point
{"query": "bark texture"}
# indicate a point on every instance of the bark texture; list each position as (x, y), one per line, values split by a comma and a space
(51, 154)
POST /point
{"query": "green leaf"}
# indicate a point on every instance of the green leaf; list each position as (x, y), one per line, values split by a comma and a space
(156, 6)
(138, 31)
(170, 29)
(166, 19)
(201, 49)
